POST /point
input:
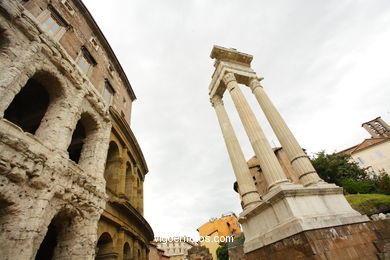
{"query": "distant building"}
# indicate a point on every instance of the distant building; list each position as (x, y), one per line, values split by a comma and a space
(373, 153)
(217, 230)
(156, 253)
(258, 176)
(176, 248)
(199, 253)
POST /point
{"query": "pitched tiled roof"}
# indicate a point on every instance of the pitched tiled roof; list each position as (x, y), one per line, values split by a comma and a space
(365, 144)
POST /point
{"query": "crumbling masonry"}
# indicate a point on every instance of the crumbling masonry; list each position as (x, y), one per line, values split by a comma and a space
(47, 178)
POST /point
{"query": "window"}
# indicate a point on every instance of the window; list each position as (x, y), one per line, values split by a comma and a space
(94, 43)
(360, 159)
(110, 69)
(85, 60)
(51, 25)
(68, 6)
(379, 154)
(108, 92)
(84, 64)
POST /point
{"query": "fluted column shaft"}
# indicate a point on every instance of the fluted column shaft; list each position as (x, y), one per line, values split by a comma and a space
(245, 182)
(299, 160)
(272, 170)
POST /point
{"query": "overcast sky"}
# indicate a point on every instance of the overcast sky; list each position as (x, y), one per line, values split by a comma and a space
(326, 68)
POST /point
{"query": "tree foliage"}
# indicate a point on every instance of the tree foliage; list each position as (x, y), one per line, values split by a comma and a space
(222, 251)
(334, 168)
(383, 183)
(339, 169)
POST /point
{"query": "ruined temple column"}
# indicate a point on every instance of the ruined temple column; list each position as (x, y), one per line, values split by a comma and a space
(273, 172)
(244, 178)
(299, 160)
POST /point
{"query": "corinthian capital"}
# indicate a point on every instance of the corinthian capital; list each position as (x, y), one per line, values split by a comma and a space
(228, 77)
(254, 83)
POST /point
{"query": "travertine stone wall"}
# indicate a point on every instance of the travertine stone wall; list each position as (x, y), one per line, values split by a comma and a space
(39, 185)
(356, 241)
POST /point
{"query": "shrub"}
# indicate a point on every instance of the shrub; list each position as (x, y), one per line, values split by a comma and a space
(358, 186)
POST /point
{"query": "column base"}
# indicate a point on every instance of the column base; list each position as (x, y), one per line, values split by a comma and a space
(289, 209)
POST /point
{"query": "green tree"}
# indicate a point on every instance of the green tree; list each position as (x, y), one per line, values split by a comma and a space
(222, 251)
(383, 183)
(334, 168)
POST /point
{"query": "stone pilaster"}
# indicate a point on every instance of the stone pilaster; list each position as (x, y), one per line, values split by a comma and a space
(58, 124)
(120, 242)
(121, 187)
(299, 160)
(141, 198)
(273, 172)
(241, 170)
(134, 188)
(95, 148)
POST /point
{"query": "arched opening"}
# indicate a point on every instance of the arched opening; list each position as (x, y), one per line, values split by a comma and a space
(128, 180)
(126, 252)
(104, 246)
(112, 167)
(30, 105)
(55, 233)
(76, 145)
(49, 243)
(84, 127)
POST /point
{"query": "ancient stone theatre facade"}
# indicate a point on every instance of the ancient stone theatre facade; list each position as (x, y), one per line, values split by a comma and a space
(71, 169)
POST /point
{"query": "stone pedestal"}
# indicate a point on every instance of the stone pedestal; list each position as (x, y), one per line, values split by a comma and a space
(290, 209)
(369, 240)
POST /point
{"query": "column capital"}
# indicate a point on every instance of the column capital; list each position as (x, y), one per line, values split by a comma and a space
(228, 77)
(216, 100)
(254, 83)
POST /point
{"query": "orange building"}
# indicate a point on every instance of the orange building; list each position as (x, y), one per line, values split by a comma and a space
(217, 230)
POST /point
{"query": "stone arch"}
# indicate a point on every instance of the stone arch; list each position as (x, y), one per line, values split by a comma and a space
(105, 246)
(126, 251)
(113, 164)
(57, 233)
(35, 101)
(80, 144)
